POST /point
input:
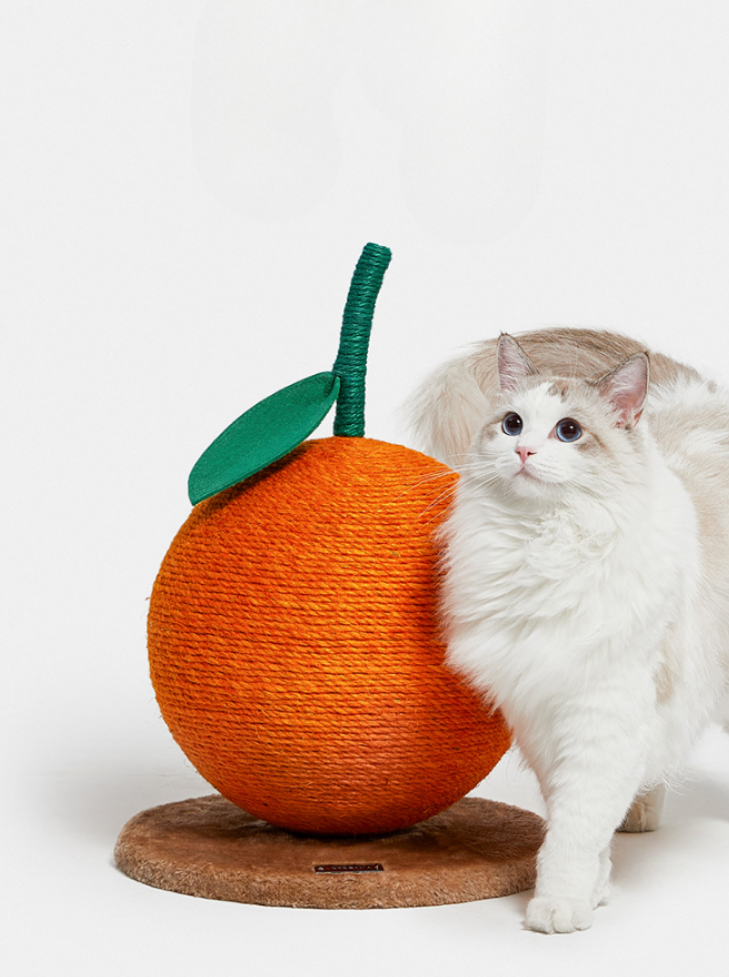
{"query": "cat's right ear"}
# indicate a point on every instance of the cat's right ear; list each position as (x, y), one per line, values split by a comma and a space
(625, 389)
(513, 364)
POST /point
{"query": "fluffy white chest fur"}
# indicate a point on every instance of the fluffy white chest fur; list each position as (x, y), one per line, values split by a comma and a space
(561, 613)
(585, 590)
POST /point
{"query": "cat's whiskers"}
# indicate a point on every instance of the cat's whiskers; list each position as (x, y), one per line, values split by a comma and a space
(436, 502)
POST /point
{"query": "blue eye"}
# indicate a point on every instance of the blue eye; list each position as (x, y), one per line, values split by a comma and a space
(512, 425)
(568, 430)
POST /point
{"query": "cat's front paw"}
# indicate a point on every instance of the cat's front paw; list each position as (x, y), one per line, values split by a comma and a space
(558, 914)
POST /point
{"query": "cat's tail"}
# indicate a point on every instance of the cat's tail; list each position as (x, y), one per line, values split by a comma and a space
(450, 406)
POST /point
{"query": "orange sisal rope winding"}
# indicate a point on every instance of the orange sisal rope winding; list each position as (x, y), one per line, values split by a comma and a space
(294, 649)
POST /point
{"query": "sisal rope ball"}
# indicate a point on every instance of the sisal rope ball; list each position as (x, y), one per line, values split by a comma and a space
(293, 638)
(294, 648)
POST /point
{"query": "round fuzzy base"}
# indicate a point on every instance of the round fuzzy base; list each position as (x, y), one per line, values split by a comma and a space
(208, 847)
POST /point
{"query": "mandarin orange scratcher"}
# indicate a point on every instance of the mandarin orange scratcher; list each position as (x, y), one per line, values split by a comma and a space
(295, 657)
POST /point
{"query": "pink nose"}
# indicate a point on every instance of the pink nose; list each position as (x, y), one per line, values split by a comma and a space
(524, 453)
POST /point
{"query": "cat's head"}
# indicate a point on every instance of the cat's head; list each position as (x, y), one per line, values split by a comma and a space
(550, 434)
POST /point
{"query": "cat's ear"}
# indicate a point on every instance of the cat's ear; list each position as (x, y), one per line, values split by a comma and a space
(625, 389)
(513, 364)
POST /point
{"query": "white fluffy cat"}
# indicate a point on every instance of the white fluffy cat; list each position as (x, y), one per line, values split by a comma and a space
(586, 587)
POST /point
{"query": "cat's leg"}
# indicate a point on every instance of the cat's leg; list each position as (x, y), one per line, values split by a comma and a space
(570, 886)
(602, 887)
(645, 811)
(587, 796)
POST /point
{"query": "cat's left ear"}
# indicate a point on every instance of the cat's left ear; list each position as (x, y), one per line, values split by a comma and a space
(625, 389)
(512, 363)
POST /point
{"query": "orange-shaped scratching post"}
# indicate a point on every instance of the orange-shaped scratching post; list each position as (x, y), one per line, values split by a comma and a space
(294, 647)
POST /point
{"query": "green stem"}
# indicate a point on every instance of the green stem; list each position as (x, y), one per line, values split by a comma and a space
(351, 362)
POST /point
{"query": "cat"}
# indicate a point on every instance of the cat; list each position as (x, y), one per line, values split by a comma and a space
(585, 587)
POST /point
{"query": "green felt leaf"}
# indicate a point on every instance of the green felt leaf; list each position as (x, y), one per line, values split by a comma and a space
(263, 435)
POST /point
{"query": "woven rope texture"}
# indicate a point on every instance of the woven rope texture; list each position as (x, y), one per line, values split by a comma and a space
(351, 362)
(293, 645)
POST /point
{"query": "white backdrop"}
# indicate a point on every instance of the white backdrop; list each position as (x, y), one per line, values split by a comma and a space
(185, 188)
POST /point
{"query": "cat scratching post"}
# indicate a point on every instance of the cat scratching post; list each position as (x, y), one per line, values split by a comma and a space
(297, 660)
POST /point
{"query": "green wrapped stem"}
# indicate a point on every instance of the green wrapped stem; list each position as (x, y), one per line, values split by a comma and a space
(350, 365)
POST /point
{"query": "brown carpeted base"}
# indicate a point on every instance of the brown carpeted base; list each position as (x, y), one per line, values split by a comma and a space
(208, 847)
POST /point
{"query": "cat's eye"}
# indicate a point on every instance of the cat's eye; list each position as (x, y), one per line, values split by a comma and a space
(568, 430)
(512, 425)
